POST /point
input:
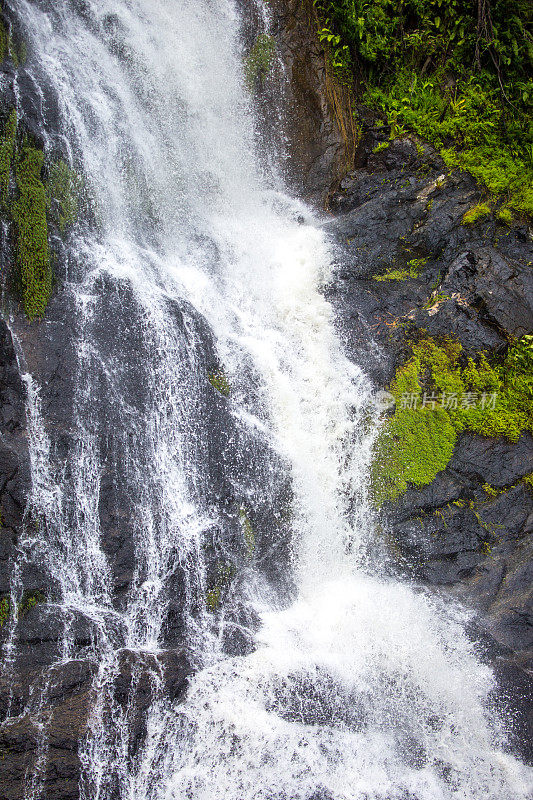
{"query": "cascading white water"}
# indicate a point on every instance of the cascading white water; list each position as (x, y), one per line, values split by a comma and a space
(362, 687)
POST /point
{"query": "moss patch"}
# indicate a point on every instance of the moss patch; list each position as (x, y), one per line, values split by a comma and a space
(476, 213)
(247, 531)
(63, 193)
(412, 270)
(7, 150)
(259, 60)
(219, 382)
(439, 394)
(29, 215)
(505, 215)
(5, 609)
(29, 601)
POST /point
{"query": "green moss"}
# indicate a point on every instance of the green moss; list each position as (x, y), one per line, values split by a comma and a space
(381, 146)
(64, 188)
(505, 215)
(248, 532)
(437, 396)
(212, 599)
(215, 593)
(7, 149)
(259, 60)
(5, 610)
(476, 213)
(4, 38)
(29, 215)
(528, 480)
(412, 270)
(29, 601)
(219, 382)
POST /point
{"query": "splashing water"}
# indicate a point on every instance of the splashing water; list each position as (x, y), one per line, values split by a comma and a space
(361, 687)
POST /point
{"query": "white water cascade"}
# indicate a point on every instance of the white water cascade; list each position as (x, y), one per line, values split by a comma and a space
(358, 688)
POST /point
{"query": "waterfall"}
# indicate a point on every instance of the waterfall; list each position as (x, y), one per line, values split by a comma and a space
(357, 685)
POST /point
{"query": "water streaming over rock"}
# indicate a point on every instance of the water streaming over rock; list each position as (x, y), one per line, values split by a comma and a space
(356, 686)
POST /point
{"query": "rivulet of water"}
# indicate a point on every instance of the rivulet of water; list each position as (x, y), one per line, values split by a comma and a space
(361, 688)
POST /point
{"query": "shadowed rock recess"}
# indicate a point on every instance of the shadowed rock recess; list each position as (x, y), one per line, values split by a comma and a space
(468, 532)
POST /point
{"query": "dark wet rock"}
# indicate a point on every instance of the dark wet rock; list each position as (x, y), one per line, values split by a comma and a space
(61, 702)
(318, 150)
(140, 680)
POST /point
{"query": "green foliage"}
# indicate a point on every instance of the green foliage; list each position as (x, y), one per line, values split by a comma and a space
(219, 382)
(212, 599)
(528, 480)
(7, 149)
(29, 601)
(29, 215)
(259, 60)
(505, 215)
(438, 394)
(416, 59)
(63, 192)
(380, 147)
(3, 41)
(476, 213)
(470, 127)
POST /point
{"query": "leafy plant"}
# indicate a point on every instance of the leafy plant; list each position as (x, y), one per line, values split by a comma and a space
(416, 60)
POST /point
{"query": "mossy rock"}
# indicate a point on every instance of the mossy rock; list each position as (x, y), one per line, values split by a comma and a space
(438, 394)
(258, 63)
(7, 150)
(29, 216)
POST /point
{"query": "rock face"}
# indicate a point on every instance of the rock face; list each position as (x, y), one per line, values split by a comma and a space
(469, 532)
(322, 132)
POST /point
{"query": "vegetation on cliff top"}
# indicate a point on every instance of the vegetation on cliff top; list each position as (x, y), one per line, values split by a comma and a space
(439, 393)
(457, 73)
